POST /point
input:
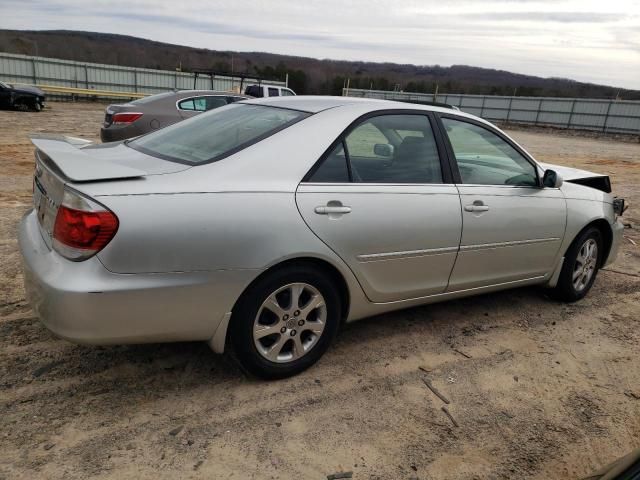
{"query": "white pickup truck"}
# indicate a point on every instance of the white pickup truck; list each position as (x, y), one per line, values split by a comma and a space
(264, 90)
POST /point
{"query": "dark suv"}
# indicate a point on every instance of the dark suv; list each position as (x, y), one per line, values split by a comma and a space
(21, 97)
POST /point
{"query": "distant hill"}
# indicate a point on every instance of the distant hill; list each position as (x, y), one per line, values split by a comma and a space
(306, 75)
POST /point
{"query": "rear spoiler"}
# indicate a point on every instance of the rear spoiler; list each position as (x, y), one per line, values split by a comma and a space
(65, 155)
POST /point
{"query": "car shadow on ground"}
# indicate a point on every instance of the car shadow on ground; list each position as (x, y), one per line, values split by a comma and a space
(193, 364)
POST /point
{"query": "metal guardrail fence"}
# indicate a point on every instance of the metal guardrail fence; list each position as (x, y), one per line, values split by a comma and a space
(109, 78)
(608, 116)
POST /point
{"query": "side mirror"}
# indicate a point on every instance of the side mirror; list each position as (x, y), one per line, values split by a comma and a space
(383, 150)
(551, 179)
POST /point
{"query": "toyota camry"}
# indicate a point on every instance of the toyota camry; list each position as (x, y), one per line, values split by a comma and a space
(263, 225)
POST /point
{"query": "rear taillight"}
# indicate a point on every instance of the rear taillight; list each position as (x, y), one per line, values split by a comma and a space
(126, 117)
(83, 227)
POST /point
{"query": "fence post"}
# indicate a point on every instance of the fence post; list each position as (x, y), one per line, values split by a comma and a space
(509, 109)
(86, 77)
(484, 99)
(538, 112)
(606, 117)
(35, 74)
(573, 107)
(135, 80)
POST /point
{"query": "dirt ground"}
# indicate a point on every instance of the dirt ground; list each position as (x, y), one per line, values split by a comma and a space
(539, 389)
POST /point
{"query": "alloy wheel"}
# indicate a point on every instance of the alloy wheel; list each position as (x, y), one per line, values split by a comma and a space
(585, 264)
(289, 322)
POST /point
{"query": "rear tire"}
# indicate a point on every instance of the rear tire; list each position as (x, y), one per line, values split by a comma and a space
(285, 322)
(580, 268)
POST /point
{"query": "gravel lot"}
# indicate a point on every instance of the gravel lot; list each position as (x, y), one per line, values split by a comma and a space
(539, 389)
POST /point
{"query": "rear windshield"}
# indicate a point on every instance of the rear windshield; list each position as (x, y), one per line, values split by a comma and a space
(216, 134)
(254, 91)
(151, 98)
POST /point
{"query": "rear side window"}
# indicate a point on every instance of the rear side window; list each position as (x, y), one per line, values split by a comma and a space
(334, 168)
(273, 92)
(193, 104)
(216, 134)
(286, 92)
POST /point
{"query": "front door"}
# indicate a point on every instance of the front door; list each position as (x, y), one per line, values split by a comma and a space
(380, 201)
(512, 227)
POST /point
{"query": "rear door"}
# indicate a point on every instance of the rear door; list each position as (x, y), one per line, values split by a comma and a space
(512, 227)
(382, 199)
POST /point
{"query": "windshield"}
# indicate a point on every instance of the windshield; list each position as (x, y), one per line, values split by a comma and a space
(216, 134)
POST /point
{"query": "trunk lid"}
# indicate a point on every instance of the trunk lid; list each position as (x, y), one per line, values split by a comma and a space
(78, 160)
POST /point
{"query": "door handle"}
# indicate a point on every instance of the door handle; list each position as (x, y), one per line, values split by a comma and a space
(328, 210)
(476, 206)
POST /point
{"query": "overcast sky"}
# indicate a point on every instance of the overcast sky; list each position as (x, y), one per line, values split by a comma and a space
(588, 40)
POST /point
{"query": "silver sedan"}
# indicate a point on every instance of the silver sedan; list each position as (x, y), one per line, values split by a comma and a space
(147, 114)
(263, 225)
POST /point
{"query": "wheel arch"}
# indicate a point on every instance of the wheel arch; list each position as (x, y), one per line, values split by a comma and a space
(24, 99)
(311, 262)
(607, 237)
(221, 338)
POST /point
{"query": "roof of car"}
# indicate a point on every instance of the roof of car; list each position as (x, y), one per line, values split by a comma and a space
(314, 104)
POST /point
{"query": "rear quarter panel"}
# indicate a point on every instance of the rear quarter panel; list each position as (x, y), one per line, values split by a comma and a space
(214, 232)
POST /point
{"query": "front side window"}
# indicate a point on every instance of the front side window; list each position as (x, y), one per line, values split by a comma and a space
(486, 159)
(273, 92)
(216, 134)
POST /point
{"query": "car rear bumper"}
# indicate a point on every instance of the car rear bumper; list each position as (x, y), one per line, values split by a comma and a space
(86, 303)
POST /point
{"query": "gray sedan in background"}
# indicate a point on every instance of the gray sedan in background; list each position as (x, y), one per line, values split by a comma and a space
(128, 120)
(265, 224)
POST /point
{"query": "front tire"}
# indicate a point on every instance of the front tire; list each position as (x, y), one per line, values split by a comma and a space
(581, 265)
(285, 322)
